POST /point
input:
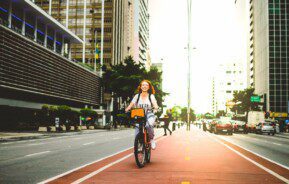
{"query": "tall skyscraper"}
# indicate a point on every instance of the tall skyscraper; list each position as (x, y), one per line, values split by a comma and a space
(141, 32)
(268, 52)
(85, 19)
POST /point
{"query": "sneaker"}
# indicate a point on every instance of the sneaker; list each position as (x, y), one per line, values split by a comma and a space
(171, 133)
(165, 134)
(153, 144)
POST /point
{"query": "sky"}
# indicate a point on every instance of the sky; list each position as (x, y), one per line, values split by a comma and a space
(215, 35)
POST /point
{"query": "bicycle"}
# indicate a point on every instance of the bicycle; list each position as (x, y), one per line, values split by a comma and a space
(142, 145)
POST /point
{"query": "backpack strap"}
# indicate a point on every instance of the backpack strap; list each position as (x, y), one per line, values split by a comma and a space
(137, 99)
(149, 99)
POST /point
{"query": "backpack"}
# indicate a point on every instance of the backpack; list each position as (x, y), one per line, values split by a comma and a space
(149, 99)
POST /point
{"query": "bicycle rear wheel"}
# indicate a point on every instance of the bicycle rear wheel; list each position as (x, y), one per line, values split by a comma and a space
(139, 151)
(148, 154)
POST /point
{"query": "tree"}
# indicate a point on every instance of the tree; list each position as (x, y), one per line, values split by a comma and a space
(122, 79)
(243, 101)
(176, 112)
(184, 114)
(220, 113)
(208, 116)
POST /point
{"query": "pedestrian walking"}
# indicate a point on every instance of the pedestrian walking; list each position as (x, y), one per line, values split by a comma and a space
(166, 125)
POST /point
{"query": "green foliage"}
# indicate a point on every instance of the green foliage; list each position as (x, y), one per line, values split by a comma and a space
(66, 115)
(89, 116)
(208, 116)
(220, 113)
(176, 112)
(123, 79)
(184, 114)
(244, 100)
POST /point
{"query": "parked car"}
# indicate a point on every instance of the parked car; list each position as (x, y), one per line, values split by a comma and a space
(275, 125)
(265, 127)
(240, 126)
(223, 126)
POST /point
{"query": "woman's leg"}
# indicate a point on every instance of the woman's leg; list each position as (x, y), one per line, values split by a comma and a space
(150, 130)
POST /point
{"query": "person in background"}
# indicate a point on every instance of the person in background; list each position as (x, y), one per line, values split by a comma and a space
(167, 119)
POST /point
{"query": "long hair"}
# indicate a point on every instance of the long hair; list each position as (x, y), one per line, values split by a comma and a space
(151, 88)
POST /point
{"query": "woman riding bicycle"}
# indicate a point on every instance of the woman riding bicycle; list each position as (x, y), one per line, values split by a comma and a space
(145, 99)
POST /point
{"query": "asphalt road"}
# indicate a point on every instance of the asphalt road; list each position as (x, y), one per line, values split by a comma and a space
(272, 147)
(35, 160)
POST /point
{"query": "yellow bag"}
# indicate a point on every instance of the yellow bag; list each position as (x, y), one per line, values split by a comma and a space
(137, 112)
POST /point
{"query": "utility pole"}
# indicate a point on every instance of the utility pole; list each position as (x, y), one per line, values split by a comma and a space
(189, 3)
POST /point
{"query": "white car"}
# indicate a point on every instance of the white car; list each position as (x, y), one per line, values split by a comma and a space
(265, 127)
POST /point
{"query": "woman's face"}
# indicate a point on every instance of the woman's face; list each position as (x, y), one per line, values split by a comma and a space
(145, 86)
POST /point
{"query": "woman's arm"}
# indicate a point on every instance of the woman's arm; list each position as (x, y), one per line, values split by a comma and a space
(129, 107)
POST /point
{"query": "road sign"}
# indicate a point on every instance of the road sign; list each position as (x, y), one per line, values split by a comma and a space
(255, 99)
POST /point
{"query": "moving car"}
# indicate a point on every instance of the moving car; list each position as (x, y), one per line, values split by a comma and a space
(240, 126)
(223, 126)
(265, 127)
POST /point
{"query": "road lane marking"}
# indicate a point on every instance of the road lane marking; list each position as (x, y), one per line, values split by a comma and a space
(40, 153)
(285, 167)
(115, 138)
(77, 138)
(277, 144)
(78, 168)
(88, 143)
(185, 182)
(8, 143)
(214, 137)
(256, 163)
(35, 144)
(101, 169)
(187, 158)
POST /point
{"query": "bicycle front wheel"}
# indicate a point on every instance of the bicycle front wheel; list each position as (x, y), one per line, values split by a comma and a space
(139, 151)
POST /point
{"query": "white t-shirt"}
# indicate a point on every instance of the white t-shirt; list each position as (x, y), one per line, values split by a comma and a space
(145, 104)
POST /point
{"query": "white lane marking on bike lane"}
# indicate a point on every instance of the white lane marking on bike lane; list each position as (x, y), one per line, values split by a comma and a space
(215, 138)
(93, 162)
(105, 167)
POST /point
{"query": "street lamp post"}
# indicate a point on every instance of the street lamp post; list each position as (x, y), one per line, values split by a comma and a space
(189, 2)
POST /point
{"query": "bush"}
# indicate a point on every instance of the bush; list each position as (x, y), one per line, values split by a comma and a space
(89, 116)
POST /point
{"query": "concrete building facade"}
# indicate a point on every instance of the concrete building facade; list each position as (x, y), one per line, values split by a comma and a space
(268, 53)
(84, 18)
(228, 78)
(141, 33)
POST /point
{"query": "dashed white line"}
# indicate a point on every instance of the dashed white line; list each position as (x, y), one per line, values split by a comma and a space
(252, 161)
(277, 144)
(101, 169)
(36, 144)
(88, 143)
(115, 138)
(40, 153)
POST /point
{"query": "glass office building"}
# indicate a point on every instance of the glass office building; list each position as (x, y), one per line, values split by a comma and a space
(268, 59)
(278, 55)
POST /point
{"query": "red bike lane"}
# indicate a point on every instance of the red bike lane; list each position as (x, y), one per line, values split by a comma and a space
(185, 157)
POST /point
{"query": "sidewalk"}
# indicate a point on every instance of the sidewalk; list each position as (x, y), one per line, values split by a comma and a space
(185, 157)
(14, 136)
